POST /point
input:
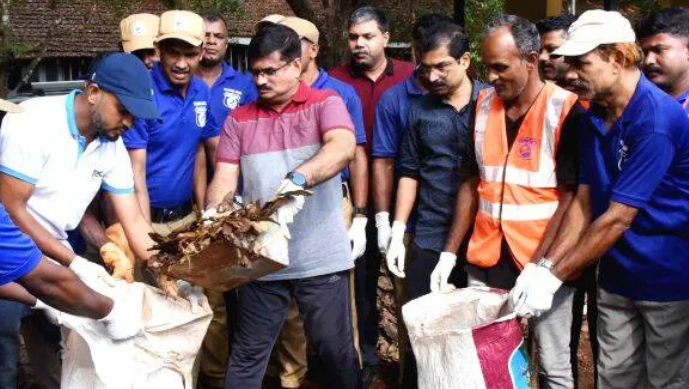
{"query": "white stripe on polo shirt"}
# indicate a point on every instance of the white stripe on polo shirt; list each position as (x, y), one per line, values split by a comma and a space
(42, 146)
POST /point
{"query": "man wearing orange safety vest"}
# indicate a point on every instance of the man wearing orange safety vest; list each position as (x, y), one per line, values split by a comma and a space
(524, 164)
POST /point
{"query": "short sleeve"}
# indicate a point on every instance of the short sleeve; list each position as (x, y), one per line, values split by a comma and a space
(387, 131)
(409, 159)
(18, 252)
(333, 115)
(211, 129)
(119, 179)
(21, 155)
(137, 136)
(356, 114)
(229, 146)
(648, 158)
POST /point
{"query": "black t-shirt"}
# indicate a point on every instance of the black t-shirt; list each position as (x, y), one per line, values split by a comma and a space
(566, 159)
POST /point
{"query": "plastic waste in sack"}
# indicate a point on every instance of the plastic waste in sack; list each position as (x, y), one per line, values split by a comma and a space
(467, 339)
(162, 357)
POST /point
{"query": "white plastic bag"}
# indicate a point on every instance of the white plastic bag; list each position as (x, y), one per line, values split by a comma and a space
(467, 339)
(163, 357)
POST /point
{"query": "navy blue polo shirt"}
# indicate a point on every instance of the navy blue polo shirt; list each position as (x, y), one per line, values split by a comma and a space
(230, 90)
(18, 253)
(171, 144)
(352, 102)
(642, 161)
(392, 118)
(432, 153)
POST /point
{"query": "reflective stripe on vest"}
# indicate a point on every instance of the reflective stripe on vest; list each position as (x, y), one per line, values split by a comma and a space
(518, 190)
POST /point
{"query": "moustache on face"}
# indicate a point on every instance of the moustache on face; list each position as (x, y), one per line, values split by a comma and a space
(179, 70)
(653, 70)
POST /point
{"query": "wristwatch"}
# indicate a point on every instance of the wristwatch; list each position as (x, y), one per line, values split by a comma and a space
(297, 179)
(546, 263)
(360, 211)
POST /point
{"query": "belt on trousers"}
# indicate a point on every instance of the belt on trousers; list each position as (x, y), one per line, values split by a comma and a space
(167, 215)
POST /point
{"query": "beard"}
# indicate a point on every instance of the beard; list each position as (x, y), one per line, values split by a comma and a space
(210, 62)
(100, 129)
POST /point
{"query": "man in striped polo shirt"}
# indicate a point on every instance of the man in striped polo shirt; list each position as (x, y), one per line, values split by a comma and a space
(292, 138)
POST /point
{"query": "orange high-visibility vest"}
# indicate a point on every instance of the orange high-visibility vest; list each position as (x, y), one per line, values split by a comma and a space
(518, 191)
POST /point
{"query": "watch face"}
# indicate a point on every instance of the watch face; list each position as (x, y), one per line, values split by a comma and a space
(298, 179)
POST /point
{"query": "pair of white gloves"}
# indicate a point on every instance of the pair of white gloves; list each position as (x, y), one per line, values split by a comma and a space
(391, 244)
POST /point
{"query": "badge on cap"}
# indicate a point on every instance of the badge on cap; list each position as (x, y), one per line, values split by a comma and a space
(137, 28)
(178, 23)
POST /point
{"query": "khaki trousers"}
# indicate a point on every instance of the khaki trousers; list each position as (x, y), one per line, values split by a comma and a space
(291, 345)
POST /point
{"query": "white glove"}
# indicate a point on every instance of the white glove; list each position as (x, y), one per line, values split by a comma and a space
(207, 216)
(125, 319)
(539, 290)
(396, 251)
(357, 236)
(54, 316)
(517, 292)
(384, 231)
(191, 293)
(442, 272)
(286, 213)
(93, 275)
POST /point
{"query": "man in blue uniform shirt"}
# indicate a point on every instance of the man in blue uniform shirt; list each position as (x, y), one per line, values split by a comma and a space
(229, 88)
(630, 211)
(163, 153)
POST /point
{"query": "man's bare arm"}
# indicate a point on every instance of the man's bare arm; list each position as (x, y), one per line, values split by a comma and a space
(337, 151)
(406, 197)
(200, 177)
(358, 176)
(224, 183)
(383, 180)
(138, 158)
(14, 194)
(91, 228)
(136, 227)
(466, 207)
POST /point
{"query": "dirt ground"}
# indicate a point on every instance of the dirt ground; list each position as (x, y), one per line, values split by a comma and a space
(388, 373)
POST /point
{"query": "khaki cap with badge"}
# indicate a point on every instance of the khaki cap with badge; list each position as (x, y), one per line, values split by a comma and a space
(138, 32)
(303, 28)
(270, 19)
(183, 25)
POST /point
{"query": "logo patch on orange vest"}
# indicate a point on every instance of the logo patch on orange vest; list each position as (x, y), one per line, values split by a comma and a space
(526, 145)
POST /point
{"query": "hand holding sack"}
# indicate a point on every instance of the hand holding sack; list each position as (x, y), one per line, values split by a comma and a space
(442, 272)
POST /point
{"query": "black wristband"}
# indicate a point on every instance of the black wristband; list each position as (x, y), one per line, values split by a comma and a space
(360, 211)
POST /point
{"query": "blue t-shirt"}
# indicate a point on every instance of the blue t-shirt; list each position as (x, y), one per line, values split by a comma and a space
(643, 162)
(18, 253)
(171, 143)
(392, 118)
(229, 91)
(353, 103)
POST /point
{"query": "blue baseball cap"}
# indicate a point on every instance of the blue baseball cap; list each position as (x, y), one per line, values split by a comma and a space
(125, 76)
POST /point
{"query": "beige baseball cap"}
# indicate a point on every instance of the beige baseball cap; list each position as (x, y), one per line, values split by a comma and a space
(10, 107)
(270, 19)
(595, 28)
(138, 31)
(183, 25)
(303, 28)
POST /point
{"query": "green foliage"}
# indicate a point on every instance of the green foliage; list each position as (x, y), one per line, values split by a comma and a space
(478, 13)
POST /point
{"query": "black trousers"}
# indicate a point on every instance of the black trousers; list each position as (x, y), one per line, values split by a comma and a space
(261, 307)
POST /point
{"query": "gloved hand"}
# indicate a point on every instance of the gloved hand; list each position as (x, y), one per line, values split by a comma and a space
(539, 290)
(93, 275)
(191, 293)
(286, 213)
(384, 231)
(517, 292)
(124, 320)
(442, 272)
(357, 236)
(114, 258)
(54, 316)
(396, 251)
(207, 216)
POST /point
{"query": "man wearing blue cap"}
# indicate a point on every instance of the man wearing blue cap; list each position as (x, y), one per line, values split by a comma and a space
(54, 157)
